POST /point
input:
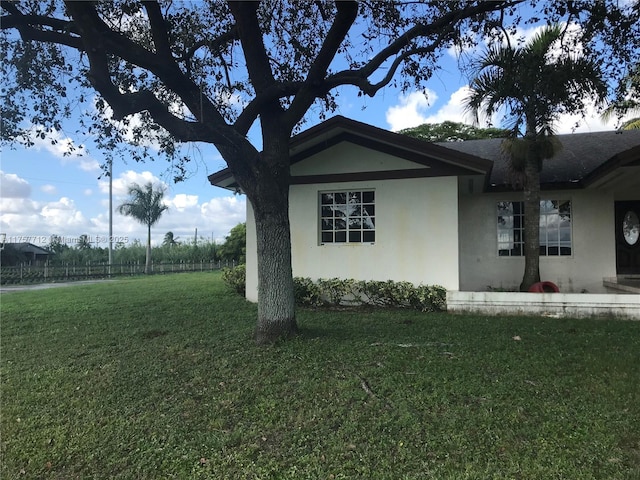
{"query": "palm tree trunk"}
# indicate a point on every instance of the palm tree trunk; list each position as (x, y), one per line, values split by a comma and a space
(147, 264)
(531, 222)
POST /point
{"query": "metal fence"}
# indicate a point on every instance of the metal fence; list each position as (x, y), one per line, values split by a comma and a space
(28, 273)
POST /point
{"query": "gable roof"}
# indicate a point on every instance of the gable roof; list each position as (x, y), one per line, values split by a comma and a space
(584, 158)
(439, 159)
(25, 247)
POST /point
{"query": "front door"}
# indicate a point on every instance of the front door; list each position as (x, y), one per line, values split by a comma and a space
(628, 237)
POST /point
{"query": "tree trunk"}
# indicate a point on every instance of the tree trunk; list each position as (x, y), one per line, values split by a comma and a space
(267, 188)
(531, 222)
(147, 263)
(276, 302)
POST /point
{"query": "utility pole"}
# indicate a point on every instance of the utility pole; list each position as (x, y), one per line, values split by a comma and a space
(110, 214)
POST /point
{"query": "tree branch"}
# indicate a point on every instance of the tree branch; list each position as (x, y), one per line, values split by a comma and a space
(99, 42)
(214, 46)
(347, 14)
(158, 29)
(25, 25)
(257, 60)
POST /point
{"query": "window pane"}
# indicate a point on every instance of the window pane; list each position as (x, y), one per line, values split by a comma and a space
(355, 197)
(355, 237)
(345, 215)
(326, 198)
(327, 211)
(554, 222)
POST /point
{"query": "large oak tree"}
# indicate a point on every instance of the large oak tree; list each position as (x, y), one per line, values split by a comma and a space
(208, 71)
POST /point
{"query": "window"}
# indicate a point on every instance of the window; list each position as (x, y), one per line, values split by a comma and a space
(347, 217)
(555, 228)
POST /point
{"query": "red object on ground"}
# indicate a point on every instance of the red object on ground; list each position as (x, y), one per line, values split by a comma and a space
(544, 287)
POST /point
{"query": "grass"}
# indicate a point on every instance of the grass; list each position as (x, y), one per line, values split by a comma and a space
(158, 378)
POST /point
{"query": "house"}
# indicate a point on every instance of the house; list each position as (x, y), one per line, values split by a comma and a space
(15, 253)
(370, 204)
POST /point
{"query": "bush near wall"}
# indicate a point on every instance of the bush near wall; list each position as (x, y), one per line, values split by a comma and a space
(236, 278)
(349, 292)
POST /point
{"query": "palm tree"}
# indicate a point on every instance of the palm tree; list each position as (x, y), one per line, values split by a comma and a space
(170, 240)
(630, 104)
(145, 205)
(535, 87)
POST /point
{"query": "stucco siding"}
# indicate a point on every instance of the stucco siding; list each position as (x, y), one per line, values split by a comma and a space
(593, 244)
(350, 158)
(416, 235)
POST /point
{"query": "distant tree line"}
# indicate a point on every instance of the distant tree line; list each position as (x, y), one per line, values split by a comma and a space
(172, 250)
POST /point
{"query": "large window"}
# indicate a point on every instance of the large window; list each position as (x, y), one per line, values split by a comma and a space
(555, 228)
(347, 217)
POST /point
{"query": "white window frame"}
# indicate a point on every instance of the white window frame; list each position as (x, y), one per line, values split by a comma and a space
(556, 228)
(347, 217)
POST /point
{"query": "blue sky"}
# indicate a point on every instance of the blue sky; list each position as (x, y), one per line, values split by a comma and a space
(44, 193)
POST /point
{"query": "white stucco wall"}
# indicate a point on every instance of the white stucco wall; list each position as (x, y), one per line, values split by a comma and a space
(593, 237)
(347, 157)
(416, 234)
(416, 224)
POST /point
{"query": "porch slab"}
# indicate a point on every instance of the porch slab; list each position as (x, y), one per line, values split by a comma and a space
(559, 305)
(623, 284)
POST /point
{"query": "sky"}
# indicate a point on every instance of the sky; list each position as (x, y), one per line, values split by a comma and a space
(45, 193)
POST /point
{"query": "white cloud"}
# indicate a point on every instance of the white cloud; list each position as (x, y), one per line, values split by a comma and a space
(182, 201)
(50, 189)
(122, 182)
(10, 206)
(88, 192)
(410, 110)
(12, 186)
(63, 214)
(39, 220)
(65, 149)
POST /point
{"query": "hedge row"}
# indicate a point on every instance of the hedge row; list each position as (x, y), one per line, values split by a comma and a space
(336, 292)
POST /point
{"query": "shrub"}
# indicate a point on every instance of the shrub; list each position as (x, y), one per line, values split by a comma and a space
(335, 291)
(236, 278)
(306, 292)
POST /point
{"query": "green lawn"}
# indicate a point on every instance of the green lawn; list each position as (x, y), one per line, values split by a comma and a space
(158, 378)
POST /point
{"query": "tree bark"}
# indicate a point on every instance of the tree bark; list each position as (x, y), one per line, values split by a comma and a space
(276, 302)
(266, 185)
(531, 222)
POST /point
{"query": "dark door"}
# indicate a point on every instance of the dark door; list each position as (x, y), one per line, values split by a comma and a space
(628, 237)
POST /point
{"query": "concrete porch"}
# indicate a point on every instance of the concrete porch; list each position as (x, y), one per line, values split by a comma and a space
(623, 284)
(557, 305)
